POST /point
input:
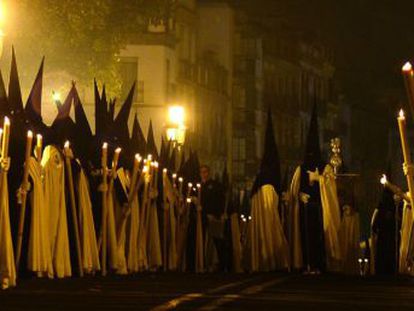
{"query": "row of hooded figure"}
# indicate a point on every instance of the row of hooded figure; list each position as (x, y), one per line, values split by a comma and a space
(307, 228)
(107, 220)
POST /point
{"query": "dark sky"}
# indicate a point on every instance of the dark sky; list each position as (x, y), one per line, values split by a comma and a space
(371, 39)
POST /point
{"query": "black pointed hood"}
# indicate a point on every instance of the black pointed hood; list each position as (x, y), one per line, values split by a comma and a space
(15, 95)
(173, 158)
(33, 108)
(100, 113)
(138, 143)
(313, 155)
(63, 127)
(83, 133)
(269, 172)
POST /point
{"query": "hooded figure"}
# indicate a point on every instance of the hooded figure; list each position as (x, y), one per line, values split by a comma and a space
(384, 228)
(267, 247)
(306, 235)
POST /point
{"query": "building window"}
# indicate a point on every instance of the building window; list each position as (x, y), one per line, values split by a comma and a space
(128, 68)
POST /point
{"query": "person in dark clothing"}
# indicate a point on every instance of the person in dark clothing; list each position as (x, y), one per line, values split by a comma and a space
(213, 209)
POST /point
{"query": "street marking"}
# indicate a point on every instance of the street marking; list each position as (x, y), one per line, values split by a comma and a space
(252, 290)
(174, 303)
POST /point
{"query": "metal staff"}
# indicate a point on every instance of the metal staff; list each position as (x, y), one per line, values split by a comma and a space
(23, 197)
(68, 157)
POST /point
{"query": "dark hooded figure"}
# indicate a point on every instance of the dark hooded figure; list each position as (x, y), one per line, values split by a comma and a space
(384, 227)
(311, 222)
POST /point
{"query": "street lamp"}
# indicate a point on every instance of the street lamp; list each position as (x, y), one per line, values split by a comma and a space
(175, 129)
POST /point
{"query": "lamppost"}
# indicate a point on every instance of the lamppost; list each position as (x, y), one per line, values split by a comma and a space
(176, 129)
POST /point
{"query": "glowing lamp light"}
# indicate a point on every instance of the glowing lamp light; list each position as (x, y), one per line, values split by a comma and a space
(56, 96)
(176, 115)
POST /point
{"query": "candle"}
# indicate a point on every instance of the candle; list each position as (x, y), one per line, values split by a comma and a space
(181, 183)
(406, 153)
(29, 141)
(394, 189)
(408, 75)
(6, 137)
(116, 158)
(199, 193)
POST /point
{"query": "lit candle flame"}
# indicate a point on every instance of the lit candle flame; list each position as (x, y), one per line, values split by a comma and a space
(118, 150)
(198, 186)
(383, 180)
(190, 185)
(6, 121)
(39, 137)
(401, 114)
(164, 171)
(105, 146)
(138, 157)
(407, 67)
(188, 200)
(181, 179)
(67, 144)
(174, 176)
(30, 134)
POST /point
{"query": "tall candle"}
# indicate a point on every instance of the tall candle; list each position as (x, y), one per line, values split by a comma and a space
(6, 137)
(406, 153)
(408, 74)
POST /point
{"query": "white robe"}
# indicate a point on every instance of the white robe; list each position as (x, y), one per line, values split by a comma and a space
(90, 252)
(268, 246)
(39, 255)
(54, 183)
(7, 266)
(331, 218)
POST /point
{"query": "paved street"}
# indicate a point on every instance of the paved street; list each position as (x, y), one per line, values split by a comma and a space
(211, 292)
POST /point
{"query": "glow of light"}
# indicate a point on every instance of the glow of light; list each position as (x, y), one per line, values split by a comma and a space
(176, 115)
(67, 144)
(56, 96)
(118, 150)
(174, 176)
(407, 67)
(30, 134)
(401, 115)
(181, 179)
(383, 180)
(164, 171)
(105, 146)
(190, 185)
(2, 12)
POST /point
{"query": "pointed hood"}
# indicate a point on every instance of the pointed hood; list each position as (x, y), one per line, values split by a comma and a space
(269, 172)
(15, 95)
(83, 133)
(33, 108)
(63, 127)
(151, 146)
(313, 155)
(100, 112)
(123, 115)
(138, 143)
(173, 158)
(111, 111)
